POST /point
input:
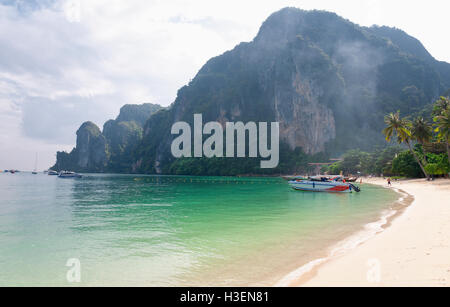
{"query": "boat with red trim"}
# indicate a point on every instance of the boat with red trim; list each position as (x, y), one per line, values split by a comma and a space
(335, 184)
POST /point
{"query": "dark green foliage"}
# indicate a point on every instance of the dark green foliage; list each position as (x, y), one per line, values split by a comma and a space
(396, 161)
(405, 165)
(405, 42)
(90, 154)
(64, 161)
(432, 155)
(321, 76)
(421, 130)
(110, 150)
(437, 164)
(91, 128)
(442, 104)
(383, 160)
(360, 73)
(122, 138)
(295, 161)
(375, 163)
(351, 163)
(137, 113)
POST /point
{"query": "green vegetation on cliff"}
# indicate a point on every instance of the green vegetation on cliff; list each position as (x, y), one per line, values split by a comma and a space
(429, 156)
(327, 81)
(110, 150)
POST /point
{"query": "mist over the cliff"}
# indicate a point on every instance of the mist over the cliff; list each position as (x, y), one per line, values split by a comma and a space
(327, 81)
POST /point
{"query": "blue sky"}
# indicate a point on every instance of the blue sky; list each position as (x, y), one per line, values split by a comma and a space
(63, 62)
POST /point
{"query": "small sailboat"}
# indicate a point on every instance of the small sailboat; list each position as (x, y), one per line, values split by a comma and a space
(67, 174)
(323, 184)
(34, 172)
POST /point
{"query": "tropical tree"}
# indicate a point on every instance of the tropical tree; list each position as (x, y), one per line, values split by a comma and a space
(404, 164)
(402, 129)
(421, 130)
(437, 164)
(442, 123)
(442, 104)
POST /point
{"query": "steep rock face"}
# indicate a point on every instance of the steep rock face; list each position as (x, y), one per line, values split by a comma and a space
(122, 137)
(138, 113)
(91, 148)
(300, 103)
(127, 128)
(90, 154)
(304, 122)
(415, 48)
(327, 81)
(125, 132)
(109, 150)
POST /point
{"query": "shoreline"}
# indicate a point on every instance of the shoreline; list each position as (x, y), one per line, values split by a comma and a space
(412, 249)
(307, 271)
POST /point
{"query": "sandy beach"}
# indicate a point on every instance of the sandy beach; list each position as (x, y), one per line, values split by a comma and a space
(413, 250)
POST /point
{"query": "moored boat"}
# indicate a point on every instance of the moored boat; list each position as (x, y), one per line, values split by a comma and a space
(67, 174)
(351, 179)
(323, 184)
(52, 173)
(34, 172)
(294, 177)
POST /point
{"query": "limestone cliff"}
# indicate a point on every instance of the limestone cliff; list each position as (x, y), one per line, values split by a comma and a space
(92, 148)
(326, 80)
(110, 150)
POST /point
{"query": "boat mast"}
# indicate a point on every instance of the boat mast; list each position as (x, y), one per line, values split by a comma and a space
(35, 162)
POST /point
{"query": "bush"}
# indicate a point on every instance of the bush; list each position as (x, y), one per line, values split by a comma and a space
(437, 164)
(405, 165)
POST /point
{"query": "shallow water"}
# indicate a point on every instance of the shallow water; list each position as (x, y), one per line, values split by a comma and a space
(168, 230)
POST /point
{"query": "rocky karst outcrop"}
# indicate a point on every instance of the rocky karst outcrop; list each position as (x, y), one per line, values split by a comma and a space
(92, 149)
(326, 80)
(110, 150)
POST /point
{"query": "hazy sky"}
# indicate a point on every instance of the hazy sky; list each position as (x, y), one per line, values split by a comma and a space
(63, 62)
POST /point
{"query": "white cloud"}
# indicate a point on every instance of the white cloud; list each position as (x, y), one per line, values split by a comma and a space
(63, 62)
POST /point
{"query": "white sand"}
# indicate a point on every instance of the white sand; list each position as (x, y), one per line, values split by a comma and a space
(413, 251)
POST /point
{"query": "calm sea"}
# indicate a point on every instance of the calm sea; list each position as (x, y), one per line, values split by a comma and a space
(169, 231)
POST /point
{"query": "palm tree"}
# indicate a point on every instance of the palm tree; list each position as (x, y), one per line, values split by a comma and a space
(442, 123)
(442, 104)
(401, 127)
(421, 130)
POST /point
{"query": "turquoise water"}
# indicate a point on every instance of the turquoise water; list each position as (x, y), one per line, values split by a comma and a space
(168, 231)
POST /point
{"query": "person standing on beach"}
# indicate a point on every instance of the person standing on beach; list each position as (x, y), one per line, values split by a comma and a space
(389, 181)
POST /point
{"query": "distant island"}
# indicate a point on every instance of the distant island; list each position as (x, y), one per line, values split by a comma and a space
(327, 81)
